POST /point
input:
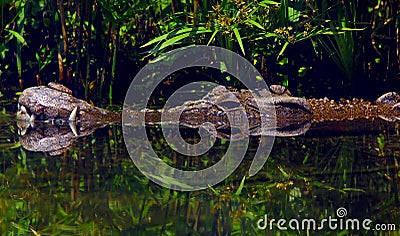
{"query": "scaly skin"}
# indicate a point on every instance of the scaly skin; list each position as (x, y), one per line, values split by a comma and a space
(49, 104)
(294, 115)
(330, 110)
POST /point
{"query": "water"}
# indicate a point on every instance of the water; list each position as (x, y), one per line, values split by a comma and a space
(94, 188)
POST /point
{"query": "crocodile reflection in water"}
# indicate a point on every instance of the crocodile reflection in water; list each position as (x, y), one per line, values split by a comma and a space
(53, 139)
(294, 115)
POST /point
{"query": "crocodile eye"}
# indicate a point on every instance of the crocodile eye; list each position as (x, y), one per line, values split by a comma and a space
(279, 90)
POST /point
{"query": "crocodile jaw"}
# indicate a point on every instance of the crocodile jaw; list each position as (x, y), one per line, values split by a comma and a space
(25, 120)
(23, 114)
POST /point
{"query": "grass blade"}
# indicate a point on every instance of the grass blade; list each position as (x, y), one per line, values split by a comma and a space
(236, 32)
(256, 24)
(18, 36)
(283, 49)
(212, 37)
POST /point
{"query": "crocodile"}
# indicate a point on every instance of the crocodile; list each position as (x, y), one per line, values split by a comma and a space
(220, 107)
(53, 139)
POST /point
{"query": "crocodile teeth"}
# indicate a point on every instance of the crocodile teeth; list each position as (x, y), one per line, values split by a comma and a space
(22, 132)
(23, 109)
(72, 125)
(32, 118)
(23, 126)
(22, 113)
(72, 116)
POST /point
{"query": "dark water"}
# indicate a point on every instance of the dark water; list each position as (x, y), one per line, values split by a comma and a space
(93, 188)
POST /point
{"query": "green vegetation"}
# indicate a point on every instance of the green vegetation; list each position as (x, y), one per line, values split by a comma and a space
(315, 47)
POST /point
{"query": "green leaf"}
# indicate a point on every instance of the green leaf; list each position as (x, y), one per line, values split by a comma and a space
(222, 67)
(163, 37)
(3, 50)
(266, 35)
(61, 211)
(158, 39)
(17, 145)
(354, 189)
(214, 191)
(239, 190)
(284, 61)
(212, 37)
(173, 40)
(352, 29)
(178, 38)
(256, 24)
(283, 49)
(236, 32)
(267, 2)
(18, 36)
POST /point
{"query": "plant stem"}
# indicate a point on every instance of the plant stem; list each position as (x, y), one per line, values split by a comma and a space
(87, 76)
(114, 59)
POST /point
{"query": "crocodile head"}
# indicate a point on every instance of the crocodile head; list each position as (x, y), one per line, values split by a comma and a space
(52, 139)
(52, 103)
(55, 104)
